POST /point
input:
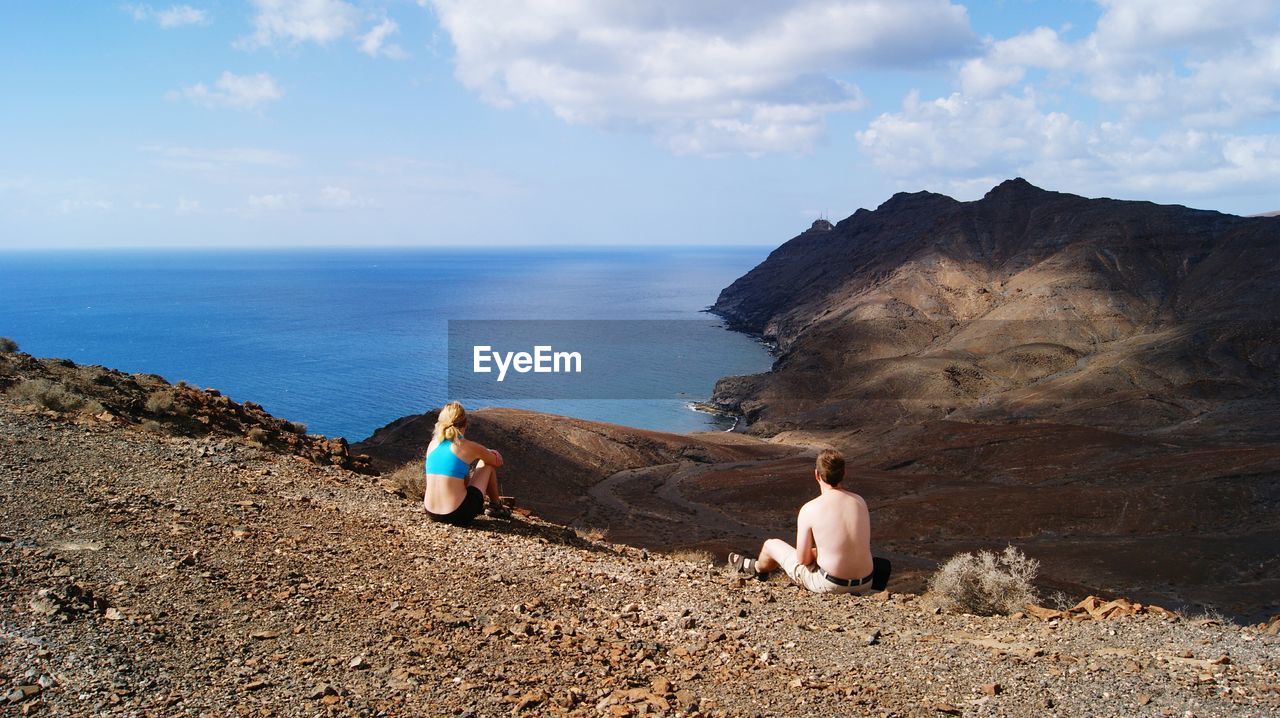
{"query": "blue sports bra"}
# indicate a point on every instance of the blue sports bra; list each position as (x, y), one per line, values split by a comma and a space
(441, 460)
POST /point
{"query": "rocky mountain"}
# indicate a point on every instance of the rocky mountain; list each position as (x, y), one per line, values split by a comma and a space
(1094, 380)
(1025, 304)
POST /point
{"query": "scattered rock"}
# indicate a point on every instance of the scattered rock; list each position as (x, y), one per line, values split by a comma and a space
(320, 691)
(342, 602)
(940, 707)
(22, 693)
(529, 700)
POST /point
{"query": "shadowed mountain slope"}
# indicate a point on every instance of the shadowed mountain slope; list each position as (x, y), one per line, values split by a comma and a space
(1026, 304)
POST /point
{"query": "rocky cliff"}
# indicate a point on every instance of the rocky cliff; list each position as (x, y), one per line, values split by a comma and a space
(96, 394)
(1023, 305)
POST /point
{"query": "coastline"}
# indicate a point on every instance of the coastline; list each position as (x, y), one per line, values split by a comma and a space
(703, 407)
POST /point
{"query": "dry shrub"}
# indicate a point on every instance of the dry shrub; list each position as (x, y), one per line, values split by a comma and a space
(165, 402)
(296, 427)
(8, 346)
(50, 395)
(985, 584)
(153, 426)
(692, 555)
(1061, 601)
(410, 479)
(259, 436)
(594, 534)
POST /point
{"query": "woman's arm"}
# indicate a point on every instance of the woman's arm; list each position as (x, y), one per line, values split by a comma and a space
(476, 452)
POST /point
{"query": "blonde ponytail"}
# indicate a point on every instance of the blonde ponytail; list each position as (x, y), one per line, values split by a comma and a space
(451, 422)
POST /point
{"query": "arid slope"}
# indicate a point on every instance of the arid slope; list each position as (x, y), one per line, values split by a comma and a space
(150, 574)
(1024, 305)
(1096, 380)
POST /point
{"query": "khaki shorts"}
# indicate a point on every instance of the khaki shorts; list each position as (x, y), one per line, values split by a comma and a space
(808, 577)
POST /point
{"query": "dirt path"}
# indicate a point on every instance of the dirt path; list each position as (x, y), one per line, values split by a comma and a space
(653, 503)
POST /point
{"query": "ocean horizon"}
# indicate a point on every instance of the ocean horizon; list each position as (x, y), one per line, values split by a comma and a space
(346, 340)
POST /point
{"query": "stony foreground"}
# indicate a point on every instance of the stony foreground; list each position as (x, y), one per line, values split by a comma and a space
(148, 575)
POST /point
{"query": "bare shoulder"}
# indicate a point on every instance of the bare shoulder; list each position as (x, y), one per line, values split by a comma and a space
(811, 506)
(466, 447)
(857, 499)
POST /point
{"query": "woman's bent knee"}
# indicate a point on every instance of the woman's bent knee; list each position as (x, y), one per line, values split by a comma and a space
(481, 477)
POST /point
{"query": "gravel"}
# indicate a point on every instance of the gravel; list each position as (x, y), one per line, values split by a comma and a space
(150, 575)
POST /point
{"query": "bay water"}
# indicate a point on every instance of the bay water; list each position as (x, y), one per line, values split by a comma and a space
(347, 340)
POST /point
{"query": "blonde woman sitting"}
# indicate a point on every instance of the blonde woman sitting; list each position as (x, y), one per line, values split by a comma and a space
(454, 492)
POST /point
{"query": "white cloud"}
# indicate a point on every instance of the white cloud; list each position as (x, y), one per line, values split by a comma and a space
(1131, 26)
(240, 92)
(329, 197)
(1005, 62)
(1221, 90)
(67, 206)
(374, 43)
(270, 201)
(170, 17)
(1192, 62)
(965, 145)
(205, 160)
(293, 22)
(187, 206)
(1179, 60)
(333, 197)
(411, 179)
(960, 136)
(708, 77)
(297, 21)
(1160, 95)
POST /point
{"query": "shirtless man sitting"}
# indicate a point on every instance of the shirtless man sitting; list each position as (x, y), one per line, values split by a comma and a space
(833, 538)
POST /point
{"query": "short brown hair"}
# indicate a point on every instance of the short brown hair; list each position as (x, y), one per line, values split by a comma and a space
(831, 467)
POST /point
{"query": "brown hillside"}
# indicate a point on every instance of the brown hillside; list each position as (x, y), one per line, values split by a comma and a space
(147, 574)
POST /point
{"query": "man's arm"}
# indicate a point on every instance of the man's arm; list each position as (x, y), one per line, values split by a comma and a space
(806, 551)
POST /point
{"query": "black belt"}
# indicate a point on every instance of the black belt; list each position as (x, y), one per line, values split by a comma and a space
(845, 581)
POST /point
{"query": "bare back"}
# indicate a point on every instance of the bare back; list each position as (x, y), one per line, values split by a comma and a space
(840, 528)
(443, 494)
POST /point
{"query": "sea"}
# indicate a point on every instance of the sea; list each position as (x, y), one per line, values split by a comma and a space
(348, 340)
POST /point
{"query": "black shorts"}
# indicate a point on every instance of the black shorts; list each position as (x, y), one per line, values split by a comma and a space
(471, 507)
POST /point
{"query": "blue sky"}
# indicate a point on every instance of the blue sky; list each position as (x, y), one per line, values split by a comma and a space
(494, 122)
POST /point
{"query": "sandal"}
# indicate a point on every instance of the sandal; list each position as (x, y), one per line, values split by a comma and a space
(499, 511)
(743, 563)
